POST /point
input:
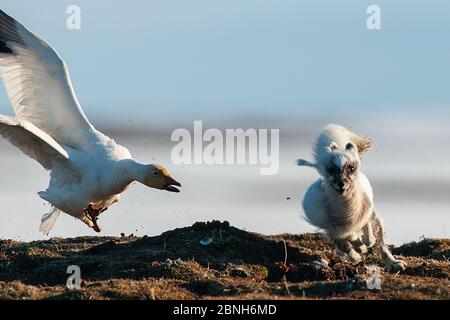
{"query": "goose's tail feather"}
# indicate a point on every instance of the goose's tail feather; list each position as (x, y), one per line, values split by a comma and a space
(48, 220)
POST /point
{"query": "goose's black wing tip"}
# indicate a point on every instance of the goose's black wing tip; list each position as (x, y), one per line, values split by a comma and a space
(6, 19)
(8, 33)
(4, 48)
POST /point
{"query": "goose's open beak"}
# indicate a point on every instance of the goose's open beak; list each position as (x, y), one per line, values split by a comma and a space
(170, 183)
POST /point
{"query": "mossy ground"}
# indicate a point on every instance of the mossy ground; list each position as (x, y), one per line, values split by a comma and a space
(214, 261)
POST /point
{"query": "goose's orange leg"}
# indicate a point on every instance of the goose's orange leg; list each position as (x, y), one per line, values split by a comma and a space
(92, 215)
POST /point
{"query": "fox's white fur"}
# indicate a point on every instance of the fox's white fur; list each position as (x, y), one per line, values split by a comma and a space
(341, 202)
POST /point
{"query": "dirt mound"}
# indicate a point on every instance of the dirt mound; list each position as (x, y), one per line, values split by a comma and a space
(438, 249)
(216, 260)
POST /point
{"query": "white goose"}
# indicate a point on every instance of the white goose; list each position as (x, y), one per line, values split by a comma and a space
(89, 170)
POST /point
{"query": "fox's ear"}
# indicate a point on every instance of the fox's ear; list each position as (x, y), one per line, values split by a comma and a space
(362, 143)
(305, 163)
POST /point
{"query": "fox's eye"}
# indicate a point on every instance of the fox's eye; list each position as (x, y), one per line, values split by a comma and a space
(331, 170)
(351, 169)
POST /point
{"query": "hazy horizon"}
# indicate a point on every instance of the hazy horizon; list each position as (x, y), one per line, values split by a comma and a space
(410, 193)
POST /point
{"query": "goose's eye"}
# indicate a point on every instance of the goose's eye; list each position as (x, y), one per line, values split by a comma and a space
(331, 170)
(155, 173)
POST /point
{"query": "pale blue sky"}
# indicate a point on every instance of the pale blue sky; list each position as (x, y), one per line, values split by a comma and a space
(285, 57)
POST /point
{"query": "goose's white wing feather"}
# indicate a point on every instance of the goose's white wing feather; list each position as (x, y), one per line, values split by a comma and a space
(48, 220)
(32, 141)
(39, 85)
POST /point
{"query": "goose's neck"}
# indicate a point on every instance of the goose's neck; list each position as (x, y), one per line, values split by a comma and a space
(134, 170)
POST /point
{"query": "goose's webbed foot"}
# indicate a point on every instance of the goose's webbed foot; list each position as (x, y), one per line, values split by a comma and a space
(92, 214)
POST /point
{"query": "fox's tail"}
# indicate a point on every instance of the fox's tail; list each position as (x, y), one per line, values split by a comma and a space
(305, 163)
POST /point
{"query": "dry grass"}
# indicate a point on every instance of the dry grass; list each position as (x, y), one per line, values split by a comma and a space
(236, 264)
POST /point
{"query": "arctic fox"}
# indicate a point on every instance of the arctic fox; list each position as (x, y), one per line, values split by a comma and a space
(340, 202)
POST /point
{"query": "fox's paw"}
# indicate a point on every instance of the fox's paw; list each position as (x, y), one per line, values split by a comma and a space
(396, 266)
(362, 249)
(354, 256)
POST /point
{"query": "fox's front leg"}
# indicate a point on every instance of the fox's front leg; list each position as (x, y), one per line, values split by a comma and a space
(359, 245)
(345, 246)
(391, 263)
(368, 237)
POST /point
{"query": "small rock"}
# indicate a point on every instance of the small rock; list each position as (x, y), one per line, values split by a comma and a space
(277, 288)
(206, 242)
(240, 272)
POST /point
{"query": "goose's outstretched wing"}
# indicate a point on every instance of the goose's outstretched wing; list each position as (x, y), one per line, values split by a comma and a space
(38, 84)
(32, 141)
